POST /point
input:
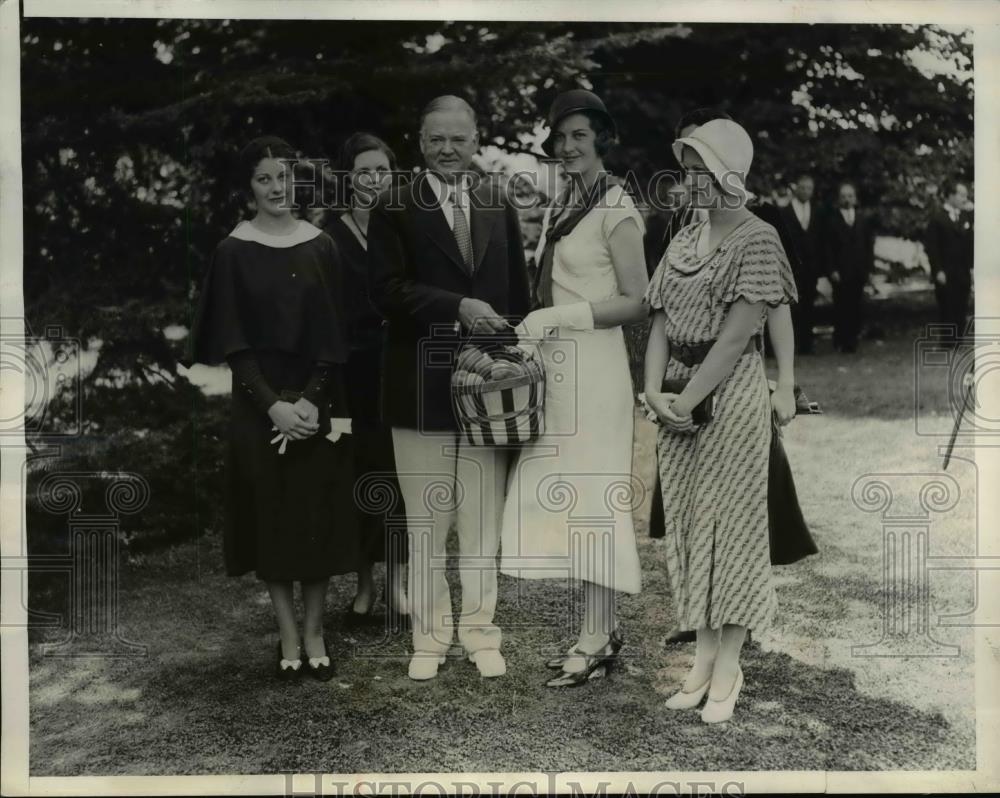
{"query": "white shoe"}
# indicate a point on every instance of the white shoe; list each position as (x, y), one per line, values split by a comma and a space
(424, 665)
(489, 661)
(720, 711)
(685, 700)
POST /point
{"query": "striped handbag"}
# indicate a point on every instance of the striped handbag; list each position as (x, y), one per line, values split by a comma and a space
(498, 396)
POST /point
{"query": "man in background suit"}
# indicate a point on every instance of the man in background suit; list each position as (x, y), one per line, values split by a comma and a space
(803, 227)
(949, 244)
(849, 245)
(443, 255)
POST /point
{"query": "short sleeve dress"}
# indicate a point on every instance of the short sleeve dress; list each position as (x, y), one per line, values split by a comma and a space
(277, 297)
(568, 511)
(714, 481)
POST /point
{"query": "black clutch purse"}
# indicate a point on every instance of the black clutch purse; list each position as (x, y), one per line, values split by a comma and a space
(703, 412)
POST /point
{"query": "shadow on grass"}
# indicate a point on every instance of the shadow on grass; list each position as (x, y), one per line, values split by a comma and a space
(210, 705)
(204, 700)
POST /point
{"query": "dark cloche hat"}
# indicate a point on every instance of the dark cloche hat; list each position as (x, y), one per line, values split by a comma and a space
(571, 102)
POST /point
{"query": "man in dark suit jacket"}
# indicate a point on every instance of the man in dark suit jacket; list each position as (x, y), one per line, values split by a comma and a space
(446, 258)
(802, 225)
(949, 244)
(850, 251)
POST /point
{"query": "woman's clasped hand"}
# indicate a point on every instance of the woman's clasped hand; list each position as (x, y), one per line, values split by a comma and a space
(293, 422)
(663, 405)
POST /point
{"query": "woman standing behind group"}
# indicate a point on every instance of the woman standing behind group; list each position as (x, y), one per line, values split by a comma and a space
(709, 296)
(365, 165)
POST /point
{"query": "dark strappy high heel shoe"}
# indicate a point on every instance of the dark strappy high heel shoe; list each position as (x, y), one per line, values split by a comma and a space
(596, 666)
(556, 663)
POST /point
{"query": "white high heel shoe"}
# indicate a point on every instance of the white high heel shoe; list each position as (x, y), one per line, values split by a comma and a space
(720, 711)
(685, 700)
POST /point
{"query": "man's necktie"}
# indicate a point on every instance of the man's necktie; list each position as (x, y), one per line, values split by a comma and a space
(463, 237)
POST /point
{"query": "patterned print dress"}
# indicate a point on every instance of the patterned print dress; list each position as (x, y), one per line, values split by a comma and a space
(714, 481)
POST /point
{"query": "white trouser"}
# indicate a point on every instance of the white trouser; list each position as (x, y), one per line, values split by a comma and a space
(441, 479)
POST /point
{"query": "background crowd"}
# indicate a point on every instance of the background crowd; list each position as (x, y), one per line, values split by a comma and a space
(835, 241)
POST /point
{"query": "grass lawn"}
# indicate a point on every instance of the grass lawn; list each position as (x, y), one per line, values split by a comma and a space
(204, 700)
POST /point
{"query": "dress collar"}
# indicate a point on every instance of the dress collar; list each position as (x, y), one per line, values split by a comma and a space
(685, 259)
(245, 231)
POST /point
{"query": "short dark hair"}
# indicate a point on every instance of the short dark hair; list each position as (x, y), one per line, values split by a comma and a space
(605, 136)
(803, 174)
(356, 144)
(256, 151)
(604, 132)
(698, 117)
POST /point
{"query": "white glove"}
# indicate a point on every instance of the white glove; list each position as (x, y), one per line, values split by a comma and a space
(280, 440)
(647, 409)
(338, 427)
(545, 322)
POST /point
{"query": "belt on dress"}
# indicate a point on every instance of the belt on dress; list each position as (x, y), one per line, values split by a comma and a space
(693, 354)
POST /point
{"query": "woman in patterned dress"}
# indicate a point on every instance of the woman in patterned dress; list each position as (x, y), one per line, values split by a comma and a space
(710, 296)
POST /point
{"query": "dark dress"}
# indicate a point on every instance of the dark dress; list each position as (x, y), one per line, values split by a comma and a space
(273, 313)
(380, 517)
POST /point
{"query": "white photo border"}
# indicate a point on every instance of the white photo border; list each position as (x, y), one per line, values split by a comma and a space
(984, 18)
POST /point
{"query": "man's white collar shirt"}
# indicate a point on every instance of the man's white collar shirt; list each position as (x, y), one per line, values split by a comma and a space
(801, 212)
(443, 191)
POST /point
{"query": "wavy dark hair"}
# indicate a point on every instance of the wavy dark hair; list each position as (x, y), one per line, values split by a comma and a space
(604, 132)
(256, 151)
(356, 144)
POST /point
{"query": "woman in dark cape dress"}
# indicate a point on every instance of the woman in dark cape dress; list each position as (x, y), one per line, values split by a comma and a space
(269, 308)
(366, 163)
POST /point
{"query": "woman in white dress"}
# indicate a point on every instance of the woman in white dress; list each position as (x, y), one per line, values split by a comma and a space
(568, 511)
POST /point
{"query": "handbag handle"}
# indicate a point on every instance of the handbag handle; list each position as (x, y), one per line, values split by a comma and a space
(497, 385)
(511, 414)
